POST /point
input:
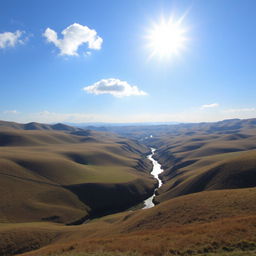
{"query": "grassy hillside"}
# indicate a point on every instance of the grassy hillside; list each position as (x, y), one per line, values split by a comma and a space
(195, 163)
(144, 132)
(206, 223)
(56, 176)
(4, 125)
(207, 205)
(201, 156)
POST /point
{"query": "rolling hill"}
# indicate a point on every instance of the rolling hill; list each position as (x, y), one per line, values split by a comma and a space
(52, 176)
(200, 156)
(143, 132)
(195, 163)
(37, 126)
(216, 222)
(64, 177)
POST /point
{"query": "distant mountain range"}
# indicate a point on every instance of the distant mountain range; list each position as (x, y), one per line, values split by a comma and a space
(142, 130)
(38, 126)
(103, 124)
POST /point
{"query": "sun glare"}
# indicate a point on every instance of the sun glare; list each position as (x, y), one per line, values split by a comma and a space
(167, 38)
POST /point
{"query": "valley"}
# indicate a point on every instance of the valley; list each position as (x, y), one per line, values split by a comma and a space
(55, 177)
(127, 128)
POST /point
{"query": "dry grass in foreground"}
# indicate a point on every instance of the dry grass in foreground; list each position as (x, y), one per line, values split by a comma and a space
(202, 223)
(100, 253)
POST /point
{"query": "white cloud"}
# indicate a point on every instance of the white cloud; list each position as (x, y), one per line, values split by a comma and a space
(73, 37)
(11, 112)
(9, 39)
(213, 105)
(114, 87)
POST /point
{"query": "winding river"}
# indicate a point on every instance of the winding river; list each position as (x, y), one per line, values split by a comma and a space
(148, 203)
(157, 169)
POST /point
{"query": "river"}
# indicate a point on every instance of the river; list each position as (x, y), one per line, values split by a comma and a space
(148, 203)
(157, 169)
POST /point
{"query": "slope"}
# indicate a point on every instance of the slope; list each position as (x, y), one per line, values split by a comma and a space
(194, 163)
(205, 222)
(50, 175)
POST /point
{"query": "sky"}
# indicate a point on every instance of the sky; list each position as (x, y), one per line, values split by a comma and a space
(127, 61)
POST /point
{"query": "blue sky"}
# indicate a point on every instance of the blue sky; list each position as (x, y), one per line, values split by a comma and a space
(106, 50)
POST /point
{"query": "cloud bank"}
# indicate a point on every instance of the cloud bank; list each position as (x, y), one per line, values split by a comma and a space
(114, 87)
(11, 39)
(74, 36)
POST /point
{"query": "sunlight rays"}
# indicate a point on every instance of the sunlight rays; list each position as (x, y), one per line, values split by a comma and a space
(167, 38)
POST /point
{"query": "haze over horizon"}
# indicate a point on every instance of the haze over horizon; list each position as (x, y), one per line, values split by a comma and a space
(134, 61)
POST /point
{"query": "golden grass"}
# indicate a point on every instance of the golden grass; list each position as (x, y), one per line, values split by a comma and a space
(194, 163)
(98, 253)
(38, 170)
(48, 176)
(102, 253)
(201, 223)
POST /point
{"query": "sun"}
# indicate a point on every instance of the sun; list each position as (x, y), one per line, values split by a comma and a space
(167, 38)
